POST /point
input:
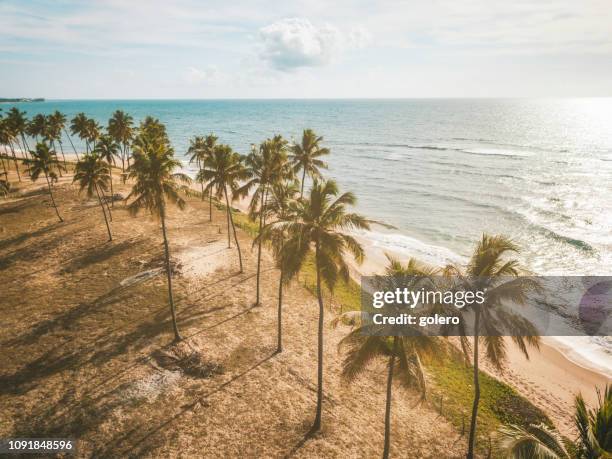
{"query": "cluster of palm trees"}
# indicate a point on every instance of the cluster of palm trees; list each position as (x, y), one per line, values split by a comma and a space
(298, 224)
(15, 129)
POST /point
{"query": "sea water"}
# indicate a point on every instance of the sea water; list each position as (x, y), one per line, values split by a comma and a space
(440, 172)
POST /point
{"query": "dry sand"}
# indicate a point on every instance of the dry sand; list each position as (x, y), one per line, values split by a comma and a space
(82, 363)
(81, 352)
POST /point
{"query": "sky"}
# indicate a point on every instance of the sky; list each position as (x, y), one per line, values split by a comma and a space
(116, 49)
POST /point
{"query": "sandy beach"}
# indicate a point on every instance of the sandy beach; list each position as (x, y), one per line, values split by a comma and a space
(549, 380)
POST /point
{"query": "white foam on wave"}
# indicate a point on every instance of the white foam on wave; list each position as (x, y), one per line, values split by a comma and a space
(496, 152)
(406, 246)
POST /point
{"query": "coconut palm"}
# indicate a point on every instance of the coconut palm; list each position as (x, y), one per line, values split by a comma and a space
(19, 123)
(37, 127)
(370, 342)
(209, 147)
(78, 127)
(278, 207)
(7, 137)
(491, 272)
(196, 155)
(594, 428)
(55, 126)
(156, 185)
(43, 161)
(93, 132)
(305, 156)
(93, 175)
(222, 170)
(108, 149)
(120, 129)
(266, 166)
(315, 225)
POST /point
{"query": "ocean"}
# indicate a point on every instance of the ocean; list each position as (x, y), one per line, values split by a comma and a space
(439, 171)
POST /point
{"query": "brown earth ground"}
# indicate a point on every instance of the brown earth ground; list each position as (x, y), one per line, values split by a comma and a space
(85, 347)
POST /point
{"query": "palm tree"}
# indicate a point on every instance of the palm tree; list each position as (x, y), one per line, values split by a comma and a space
(222, 170)
(7, 137)
(108, 149)
(78, 126)
(594, 428)
(93, 175)
(316, 224)
(156, 185)
(278, 206)
(43, 161)
(37, 126)
(370, 341)
(489, 271)
(93, 131)
(265, 166)
(120, 129)
(55, 126)
(20, 126)
(305, 156)
(196, 154)
(209, 147)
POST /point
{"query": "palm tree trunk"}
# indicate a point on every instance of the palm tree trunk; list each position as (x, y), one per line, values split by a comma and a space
(15, 160)
(110, 214)
(110, 236)
(177, 335)
(123, 159)
(279, 333)
(52, 199)
(210, 205)
(25, 144)
(59, 169)
(111, 184)
(303, 178)
(229, 213)
(70, 140)
(201, 183)
(229, 243)
(470, 453)
(262, 209)
(316, 426)
(63, 156)
(388, 403)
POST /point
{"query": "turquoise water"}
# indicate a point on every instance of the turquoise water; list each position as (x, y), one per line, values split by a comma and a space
(440, 171)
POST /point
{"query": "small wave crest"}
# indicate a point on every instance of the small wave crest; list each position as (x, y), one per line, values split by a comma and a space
(396, 243)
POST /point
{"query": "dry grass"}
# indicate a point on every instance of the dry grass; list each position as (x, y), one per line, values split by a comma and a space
(83, 356)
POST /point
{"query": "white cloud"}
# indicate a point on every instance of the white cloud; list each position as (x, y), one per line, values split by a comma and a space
(197, 76)
(296, 42)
